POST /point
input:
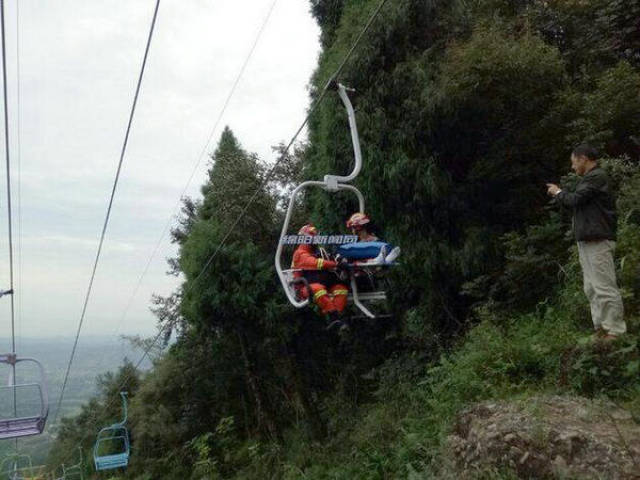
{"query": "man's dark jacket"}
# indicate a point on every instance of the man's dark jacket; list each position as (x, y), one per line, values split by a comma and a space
(594, 209)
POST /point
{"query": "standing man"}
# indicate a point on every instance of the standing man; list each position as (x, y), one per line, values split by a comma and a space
(594, 226)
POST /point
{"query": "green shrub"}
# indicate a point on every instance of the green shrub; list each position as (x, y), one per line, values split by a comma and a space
(612, 369)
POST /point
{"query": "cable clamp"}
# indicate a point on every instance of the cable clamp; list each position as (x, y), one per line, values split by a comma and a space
(9, 358)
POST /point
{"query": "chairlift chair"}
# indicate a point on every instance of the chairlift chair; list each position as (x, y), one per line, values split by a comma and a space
(14, 425)
(55, 475)
(118, 434)
(332, 184)
(73, 472)
(37, 472)
(15, 466)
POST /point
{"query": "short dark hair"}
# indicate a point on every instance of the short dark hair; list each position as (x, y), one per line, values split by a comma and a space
(586, 150)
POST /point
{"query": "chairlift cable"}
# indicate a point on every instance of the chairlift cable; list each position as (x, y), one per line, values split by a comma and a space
(193, 172)
(19, 165)
(108, 214)
(123, 385)
(8, 167)
(8, 164)
(283, 154)
(31, 425)
(197, 164)
(313, 109)
(243, 212)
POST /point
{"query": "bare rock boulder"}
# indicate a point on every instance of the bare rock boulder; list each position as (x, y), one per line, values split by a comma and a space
(546, 437)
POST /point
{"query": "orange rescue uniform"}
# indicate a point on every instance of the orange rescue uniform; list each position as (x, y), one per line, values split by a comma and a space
(328, 293)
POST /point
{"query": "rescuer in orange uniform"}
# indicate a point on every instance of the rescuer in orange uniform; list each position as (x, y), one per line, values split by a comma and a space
(328, 293)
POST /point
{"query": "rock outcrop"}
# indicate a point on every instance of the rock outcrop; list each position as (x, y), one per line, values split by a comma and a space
(546, 437)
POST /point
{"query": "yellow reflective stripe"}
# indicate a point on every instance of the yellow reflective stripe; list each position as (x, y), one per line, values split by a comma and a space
(320, 263)
(319, 293)
(341, 292)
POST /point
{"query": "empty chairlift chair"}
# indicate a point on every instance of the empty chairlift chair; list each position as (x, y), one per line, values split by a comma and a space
(24, 407)
(16, 467)
(55, 475)
(73, 472)
(36, 473)
(112, 445)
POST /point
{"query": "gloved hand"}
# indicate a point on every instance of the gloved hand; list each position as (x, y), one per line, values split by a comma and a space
(342, 263)
(342, 268)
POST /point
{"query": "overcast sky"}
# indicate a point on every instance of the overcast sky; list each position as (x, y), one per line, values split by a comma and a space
(79, 61)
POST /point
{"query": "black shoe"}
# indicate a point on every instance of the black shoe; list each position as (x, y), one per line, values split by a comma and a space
(342, 327)
(335, 324)
(339, 324)
(334, 321)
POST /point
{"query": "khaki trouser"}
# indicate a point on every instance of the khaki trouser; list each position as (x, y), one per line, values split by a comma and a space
(599, 274)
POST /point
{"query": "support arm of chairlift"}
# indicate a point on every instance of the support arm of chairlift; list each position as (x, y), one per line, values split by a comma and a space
(124, 408)
(9, 358)
(332, 181)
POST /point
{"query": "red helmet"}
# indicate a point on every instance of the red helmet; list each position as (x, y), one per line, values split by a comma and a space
(308, 229)
(358, 220)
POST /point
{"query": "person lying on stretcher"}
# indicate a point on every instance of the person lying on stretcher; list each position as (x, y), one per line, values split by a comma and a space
(369, 250)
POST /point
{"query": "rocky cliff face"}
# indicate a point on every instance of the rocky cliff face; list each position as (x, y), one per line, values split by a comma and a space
(546, 437)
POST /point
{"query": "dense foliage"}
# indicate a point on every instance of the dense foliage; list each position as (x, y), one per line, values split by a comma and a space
(466, 109)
